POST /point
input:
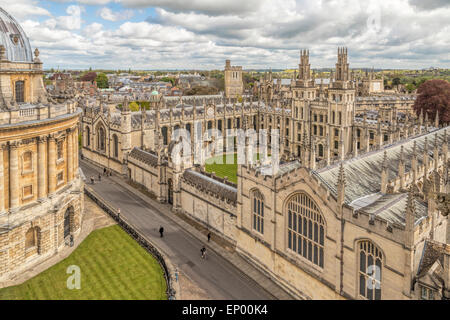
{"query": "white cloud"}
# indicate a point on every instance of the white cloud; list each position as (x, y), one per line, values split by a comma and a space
(23, 8)
(108, 14)
(255, 34)
(72, 21)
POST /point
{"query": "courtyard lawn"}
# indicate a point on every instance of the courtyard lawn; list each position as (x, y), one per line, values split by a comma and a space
(112, 265)
(225, 169)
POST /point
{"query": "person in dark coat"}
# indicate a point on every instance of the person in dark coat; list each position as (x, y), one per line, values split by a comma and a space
(161, 231)
(209, 236)
(99, 177)
(92, 179)
(203, 251)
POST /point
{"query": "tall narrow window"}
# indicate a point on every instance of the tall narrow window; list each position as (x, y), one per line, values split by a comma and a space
(60, 149)
(258, 211)
(20, 91)
(30, 238)
(101, 136)
(164, 132)
(27, 162)
(88, 136)
(369, 275)
(116, 146)
(306, 229)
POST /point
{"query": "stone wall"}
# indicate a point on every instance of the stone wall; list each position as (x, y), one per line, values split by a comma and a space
(48, 220)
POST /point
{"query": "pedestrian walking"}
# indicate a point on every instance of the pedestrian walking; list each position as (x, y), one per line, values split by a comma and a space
(209, 236)
(203, 251)
(92, 179)
(99, 177)
(161, 231)
(118, 213)
(104, 171)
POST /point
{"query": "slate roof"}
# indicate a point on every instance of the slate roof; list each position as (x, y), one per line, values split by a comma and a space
(144, 156)
(363, 173)
(211, 184)
(391, 207)
(432, 252)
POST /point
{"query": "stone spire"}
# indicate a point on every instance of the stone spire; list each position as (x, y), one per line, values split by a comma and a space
(401, 168)
(410, 219)
(340, 187)
(436, 152)
(436, 119)
(125, 105)
(414, 163)
(445, 146)
(425, 157)
(384, 176)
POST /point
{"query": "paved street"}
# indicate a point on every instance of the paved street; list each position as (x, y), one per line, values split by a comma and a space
(219, 278)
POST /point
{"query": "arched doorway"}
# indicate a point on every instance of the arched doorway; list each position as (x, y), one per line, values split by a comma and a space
(170, 193)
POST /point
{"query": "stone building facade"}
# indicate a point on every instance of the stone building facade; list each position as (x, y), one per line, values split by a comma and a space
(352, 211)
(40, 186)
(234, 85)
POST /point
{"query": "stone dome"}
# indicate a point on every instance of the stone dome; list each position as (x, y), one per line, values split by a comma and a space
(14, 39)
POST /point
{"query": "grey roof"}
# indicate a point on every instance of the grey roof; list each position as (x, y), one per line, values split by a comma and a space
(144, 156)
(363, 173)
(14, 39)
(391, 207)
(209, 183)
(432, 251)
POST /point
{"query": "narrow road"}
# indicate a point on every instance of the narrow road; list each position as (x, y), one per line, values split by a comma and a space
(219, 278)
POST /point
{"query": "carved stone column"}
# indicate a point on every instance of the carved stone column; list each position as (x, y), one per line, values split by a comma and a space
(2, 179)
(75, 153)
(13, 176)
(70, 155)
(51, 164)
(42, 166)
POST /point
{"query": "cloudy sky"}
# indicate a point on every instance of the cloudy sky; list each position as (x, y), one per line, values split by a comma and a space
(201, 34)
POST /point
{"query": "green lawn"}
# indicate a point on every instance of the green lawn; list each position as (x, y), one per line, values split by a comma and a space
(225, 169)
(112, 265)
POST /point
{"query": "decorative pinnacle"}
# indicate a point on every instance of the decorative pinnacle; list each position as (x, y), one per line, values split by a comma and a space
(402, 154)
(384, 166)
(341, 177)
(410, 204)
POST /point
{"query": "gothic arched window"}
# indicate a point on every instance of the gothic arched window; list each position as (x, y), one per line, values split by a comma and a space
(101, 136)
(258, 211)
(369, 274)
(306, 228)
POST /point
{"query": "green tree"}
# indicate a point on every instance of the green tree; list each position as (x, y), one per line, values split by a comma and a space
(168, 79)
(102, 81)
(133, 106)
(410, 87)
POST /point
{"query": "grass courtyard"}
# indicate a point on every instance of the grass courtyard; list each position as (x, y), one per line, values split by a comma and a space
(113, 266)
(225, 169)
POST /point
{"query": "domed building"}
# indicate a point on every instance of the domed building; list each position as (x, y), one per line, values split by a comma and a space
(40, 186)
